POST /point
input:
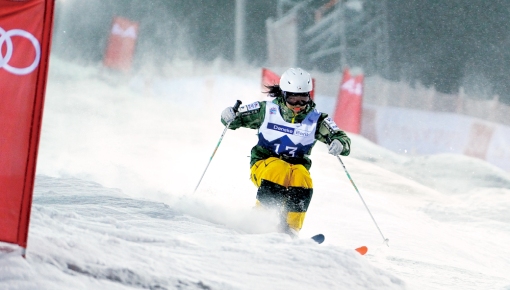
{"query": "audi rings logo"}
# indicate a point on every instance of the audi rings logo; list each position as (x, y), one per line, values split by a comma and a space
(5, 37)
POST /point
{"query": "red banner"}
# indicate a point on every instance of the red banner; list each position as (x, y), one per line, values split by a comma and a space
(479, 140)
(270, 78)
(347, 113)
(312, 93)
(25, 38)
(121, 44)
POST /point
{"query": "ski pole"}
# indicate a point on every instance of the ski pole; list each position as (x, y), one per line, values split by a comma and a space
(385, 240)
(235, 108)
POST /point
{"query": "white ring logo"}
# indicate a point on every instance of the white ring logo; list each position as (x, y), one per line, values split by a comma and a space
(5, 36)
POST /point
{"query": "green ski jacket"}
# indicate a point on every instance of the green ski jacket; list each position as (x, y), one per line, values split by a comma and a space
(253, 119)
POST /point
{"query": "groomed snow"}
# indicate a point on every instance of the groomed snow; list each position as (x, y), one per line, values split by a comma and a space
(114, 206)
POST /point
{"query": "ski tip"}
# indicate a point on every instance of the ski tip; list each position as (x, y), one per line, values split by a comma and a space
(362, 250)
(319, 238)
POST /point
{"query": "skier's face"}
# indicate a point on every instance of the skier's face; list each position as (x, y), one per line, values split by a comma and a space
(297, 101)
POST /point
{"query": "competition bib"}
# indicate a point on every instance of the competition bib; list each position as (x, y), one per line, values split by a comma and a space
(289, 139)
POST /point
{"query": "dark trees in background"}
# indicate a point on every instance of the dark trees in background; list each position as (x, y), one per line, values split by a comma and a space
(445, 44)
(448, 44)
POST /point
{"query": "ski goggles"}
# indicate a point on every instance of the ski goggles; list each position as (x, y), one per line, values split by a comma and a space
(297, 99)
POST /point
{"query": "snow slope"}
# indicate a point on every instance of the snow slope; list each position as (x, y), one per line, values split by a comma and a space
(114, 206)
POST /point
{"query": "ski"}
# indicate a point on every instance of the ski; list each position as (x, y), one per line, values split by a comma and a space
(319, 238)
(362, 250)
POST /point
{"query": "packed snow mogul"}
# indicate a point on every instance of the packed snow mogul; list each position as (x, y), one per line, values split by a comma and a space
(288, 128)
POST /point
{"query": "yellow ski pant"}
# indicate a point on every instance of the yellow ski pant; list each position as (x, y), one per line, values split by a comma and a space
(289, 184)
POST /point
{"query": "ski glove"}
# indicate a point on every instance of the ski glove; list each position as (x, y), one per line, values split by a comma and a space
(228, 115)
(335, 148)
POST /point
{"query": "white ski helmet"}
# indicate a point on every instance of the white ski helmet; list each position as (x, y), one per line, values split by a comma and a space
(296, 80)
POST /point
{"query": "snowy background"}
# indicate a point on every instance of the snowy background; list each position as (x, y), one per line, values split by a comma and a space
(114, 206)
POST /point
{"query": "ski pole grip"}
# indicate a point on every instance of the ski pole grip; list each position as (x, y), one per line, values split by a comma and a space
(236, 106)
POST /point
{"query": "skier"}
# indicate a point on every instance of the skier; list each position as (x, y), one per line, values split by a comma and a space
(288, 128)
